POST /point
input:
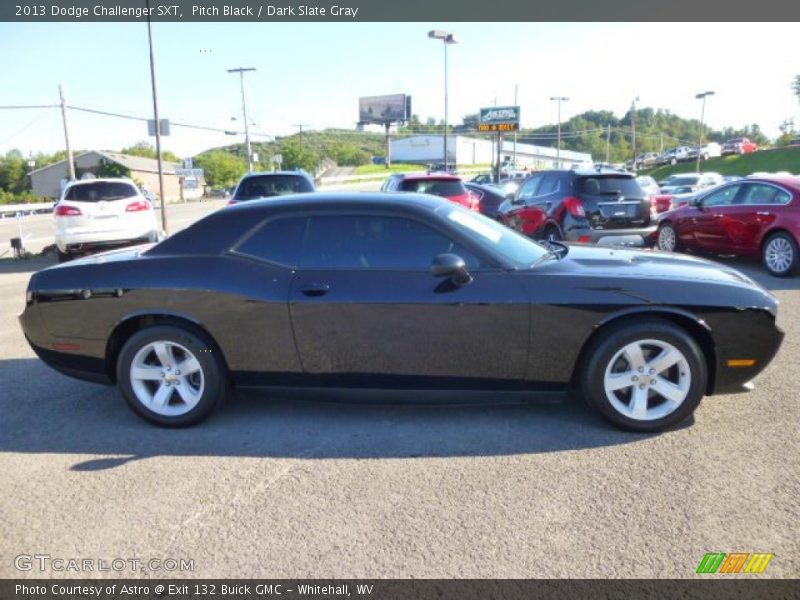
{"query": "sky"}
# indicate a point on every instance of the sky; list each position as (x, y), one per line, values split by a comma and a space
(313, 73)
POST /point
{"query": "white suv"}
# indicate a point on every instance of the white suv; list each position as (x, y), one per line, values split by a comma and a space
(97, 214)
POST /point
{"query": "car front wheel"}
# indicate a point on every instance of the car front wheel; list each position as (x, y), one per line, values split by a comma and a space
(644, 376)
(171, 376)
(780, 255)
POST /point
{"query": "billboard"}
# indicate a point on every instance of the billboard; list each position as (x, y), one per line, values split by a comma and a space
(384, 109)
(499, 119)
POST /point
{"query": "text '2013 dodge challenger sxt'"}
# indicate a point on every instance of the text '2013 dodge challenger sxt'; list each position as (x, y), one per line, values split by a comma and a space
(397, 295)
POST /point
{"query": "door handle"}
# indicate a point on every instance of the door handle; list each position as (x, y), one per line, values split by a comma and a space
(315, 289)
(763, 213)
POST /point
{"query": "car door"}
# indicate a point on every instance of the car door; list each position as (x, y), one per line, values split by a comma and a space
(527, 217)
(755, 208)
(366, 310)
(707, 224)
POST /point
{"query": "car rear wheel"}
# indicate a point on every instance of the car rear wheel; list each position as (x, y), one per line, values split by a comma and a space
(171, 376)
(645, 376)
(667, 238)
(780, 255)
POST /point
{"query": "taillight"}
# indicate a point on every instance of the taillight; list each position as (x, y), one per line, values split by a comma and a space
(137, 206)
(575, 206)
(63, 210)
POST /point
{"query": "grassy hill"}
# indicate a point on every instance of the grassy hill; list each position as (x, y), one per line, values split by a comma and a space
(770, 161)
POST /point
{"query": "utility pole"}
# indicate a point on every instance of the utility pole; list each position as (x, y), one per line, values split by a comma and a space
(633, 125)
(388, 162)
(300, 127)
(608, 144)
(701, 96)
(70, 161)
(559, 99)
(158, 123)
(241, 71)
(516, 89)
(661, 136)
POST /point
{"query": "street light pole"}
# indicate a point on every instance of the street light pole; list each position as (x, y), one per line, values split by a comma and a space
(559, 99)
(633, 127)
(701, 96)
(158, 124)
(242, 71)
(447, 39)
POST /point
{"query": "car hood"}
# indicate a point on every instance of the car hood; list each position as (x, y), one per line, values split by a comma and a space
(651, 264)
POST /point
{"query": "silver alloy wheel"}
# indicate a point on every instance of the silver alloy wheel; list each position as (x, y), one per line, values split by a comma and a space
(779, 255)
(167, 378)
(666, 239)
(647, 380)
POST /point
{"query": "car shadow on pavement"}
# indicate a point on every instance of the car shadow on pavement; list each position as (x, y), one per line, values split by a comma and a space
(26, 265)
(45, 412)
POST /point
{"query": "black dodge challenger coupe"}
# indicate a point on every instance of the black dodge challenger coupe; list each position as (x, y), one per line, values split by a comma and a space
(397, 296)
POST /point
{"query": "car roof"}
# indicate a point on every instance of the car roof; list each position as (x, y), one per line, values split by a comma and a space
(793, 182)
(272, 173)
(596, 172)
(425, 175)
(101, 180)
(221, 229)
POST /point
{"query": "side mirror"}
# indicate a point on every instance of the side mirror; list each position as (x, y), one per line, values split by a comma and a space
(697, 202)
(452, 266)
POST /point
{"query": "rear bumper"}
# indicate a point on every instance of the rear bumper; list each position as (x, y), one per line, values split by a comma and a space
(77, 244)
(636, 237)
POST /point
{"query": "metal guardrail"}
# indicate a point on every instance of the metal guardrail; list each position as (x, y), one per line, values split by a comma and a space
(31, 207)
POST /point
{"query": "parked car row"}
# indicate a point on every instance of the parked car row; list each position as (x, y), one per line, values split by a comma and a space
(679, 154)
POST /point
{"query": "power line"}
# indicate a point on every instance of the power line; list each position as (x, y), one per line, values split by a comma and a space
(30, 106)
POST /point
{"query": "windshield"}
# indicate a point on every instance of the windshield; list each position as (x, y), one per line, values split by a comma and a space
(265, 186)
(518, 250)
(683, 181)
(98, 191)
(437, 187)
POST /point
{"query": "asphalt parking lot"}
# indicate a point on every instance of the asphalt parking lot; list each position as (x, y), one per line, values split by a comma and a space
(271, 488)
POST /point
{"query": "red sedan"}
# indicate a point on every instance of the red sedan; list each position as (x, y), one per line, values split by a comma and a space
(750, 217)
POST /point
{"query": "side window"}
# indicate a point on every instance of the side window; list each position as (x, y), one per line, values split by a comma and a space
(723, 197)
(758, 193)
(530, 188)
(278, 241)
(375, 242)
(549, 184)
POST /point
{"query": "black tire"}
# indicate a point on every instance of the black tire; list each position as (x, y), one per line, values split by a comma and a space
(63, 256)
(785, 243)
(664, 235)
(552, 234)
(606, 346)
(213, 372)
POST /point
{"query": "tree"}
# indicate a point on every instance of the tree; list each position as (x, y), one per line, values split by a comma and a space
(297, 155)
(146, 150)
(222, 169)
(796, 87)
